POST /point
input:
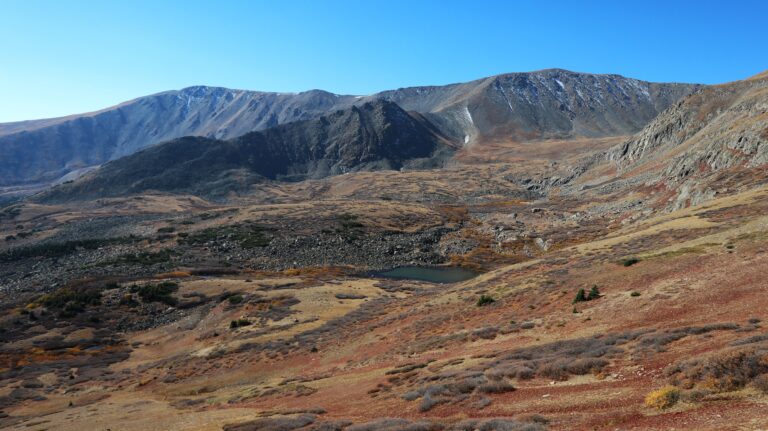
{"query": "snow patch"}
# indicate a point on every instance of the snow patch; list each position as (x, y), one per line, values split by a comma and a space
(468, 115)
(560, 84)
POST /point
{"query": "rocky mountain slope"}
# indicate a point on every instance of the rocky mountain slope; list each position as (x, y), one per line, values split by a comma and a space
(48, 149)
(375, 135)
(708, 142)
(546, 104)
(519, 106)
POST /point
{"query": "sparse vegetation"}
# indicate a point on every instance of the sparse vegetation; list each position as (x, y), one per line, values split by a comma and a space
(761, 383)
(10, 212)
(50, 250)
(142, 258)
(634, 294)
(161, 292)
(349, 221)
(349, 226)
(239, 323)
(70, 301)
(485, 300)
(630, 261)
(594, 293)
(581, 296)
(247, 235)
(722, 372)
(663, 398)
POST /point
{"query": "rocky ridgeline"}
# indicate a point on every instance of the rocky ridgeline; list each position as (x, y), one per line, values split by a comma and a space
(519, 106)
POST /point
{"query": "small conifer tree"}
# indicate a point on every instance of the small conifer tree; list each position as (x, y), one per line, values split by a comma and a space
(581, 296)
(594, 293)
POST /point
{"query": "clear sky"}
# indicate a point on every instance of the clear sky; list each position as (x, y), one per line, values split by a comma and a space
(65, 56)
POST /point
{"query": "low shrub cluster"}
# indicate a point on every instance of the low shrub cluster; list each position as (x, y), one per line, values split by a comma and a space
(239, 323)
(49, 250)
(663, 398)
(485, 300)
(449, 387)
(582, 296)
(143, 258)
(235, 299)
(71, 301)
(161, 292)
(657, 341)
(247, 235)
(723, 372)
(630, 261)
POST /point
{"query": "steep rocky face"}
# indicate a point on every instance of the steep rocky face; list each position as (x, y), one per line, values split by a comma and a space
(691, 146)
(518, 106)
(372, 136)
(551, 103)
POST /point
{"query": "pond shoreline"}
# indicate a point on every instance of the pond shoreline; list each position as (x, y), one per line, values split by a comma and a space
(430, 274)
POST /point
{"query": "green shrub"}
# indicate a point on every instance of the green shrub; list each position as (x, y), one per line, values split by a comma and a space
(128, 300)
(581, 296)
(235, 299)
(239, 323)
(142, 258)
(485, 300)
(59, 249)
(594, 293)
(349, 221)
(635, 294)
(630, 261)
(73, 298)
(247, 235)
(160, 292)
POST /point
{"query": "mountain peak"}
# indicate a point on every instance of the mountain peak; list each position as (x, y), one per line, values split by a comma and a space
(554, 103)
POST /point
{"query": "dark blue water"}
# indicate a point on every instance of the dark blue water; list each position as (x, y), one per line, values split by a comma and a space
(434, 274)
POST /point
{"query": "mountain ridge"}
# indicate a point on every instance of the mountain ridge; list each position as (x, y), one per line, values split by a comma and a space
(472, 112)
(373, 136)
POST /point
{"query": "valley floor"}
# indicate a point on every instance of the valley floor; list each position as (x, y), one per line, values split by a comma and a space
(681, 304)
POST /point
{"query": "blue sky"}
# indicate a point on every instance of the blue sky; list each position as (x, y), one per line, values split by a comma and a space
(65, 56)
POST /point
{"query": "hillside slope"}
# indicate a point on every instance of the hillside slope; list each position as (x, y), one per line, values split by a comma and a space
(375, 135)
(709, 142)
(546, 104)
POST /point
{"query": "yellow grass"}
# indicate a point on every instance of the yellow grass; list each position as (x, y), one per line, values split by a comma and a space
(663, 398)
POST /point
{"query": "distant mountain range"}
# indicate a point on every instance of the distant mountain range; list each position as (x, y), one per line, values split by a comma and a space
(551, 103)
(375, 135)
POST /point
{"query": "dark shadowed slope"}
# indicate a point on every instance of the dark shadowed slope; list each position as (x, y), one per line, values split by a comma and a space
(375, 135)
(48, 149)
(519, 106)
